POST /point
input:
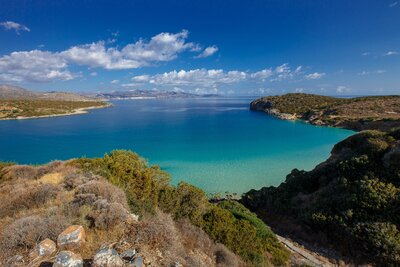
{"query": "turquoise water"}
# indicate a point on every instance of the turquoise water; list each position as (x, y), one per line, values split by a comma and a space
(217, 144)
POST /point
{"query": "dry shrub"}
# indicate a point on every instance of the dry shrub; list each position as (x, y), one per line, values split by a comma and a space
(26, 172)
(226, 258)
(23, 195)
(195, 239)
(27, 231)
(103, 190)
(158, 231)
(105, 215)
(75, 178)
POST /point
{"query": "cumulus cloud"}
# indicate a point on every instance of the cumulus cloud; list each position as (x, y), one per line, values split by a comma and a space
(213, 78)
(115, 81)
(161, 48)
(198, 77)
(43, 66)
(34, 66)
(11, 25)
(209, 51)
(314, 76)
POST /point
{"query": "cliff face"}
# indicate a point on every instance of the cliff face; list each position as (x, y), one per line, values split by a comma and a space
(364, 113)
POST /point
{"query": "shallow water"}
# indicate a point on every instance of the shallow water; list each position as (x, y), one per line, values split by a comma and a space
(216, 144)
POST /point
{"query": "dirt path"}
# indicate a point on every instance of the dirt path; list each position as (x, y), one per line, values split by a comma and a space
(301, 255)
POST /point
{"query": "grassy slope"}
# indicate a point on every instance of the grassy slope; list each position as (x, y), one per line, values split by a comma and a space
(375, 112)
(33, 108)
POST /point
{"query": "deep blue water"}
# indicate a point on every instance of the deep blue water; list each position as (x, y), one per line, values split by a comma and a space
(217, 144)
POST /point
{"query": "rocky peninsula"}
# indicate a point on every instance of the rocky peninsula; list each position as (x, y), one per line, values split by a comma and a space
(359, 113)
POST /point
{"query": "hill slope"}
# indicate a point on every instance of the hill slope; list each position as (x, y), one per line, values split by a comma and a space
(351, 201)
(176, 223)
(19, 103)
(360, 113)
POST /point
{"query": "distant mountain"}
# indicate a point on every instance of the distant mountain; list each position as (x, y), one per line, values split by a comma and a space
(15, 92)
(135, 94)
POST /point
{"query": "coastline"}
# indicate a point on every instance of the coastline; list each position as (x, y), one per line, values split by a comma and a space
(78, 111)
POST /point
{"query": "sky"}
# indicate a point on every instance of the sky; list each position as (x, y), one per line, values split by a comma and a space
(252, 47)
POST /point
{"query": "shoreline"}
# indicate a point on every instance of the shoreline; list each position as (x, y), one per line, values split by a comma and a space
(78, 111)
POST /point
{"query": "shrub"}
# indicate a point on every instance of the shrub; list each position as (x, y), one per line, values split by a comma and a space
(104, 190)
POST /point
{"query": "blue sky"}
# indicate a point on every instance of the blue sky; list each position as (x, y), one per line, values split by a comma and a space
(333, 47)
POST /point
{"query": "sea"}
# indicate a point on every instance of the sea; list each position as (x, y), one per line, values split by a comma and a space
(217, 144)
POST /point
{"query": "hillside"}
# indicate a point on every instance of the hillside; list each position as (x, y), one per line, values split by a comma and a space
(118, 204)
(17, 93)
(349, 203)
(360, 113)
(19, 103)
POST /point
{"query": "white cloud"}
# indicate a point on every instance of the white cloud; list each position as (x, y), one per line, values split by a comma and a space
(342, 89)
(44, 66)
(394, 4)
(314, 76)
(141, 78)
(372, 72)
(213, 78)
(198, 77)
(366, 54)
(262, 74)
(391, 53)
(93, 73)
(33, 66)
(114, 81)
(209, 51)
(11, 25)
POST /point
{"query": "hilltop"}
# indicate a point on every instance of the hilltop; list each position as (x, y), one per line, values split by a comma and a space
(20, 103)
(137, 94)
(359, 113)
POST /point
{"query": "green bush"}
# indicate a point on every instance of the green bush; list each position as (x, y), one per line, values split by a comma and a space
(228, 222)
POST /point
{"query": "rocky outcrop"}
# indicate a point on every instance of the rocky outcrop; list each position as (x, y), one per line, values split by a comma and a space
(71, 238)
(46, 247)
(67, 258)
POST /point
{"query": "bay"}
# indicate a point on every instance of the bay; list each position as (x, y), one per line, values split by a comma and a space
(217, 144)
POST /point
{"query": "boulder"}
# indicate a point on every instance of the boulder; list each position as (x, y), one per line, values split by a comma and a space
(46, 247)
(137, 262)
(68, 259)
(71, 238)
(128, 255)
(107, 257)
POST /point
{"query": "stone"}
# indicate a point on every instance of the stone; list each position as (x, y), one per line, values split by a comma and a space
(67, 258)
(128, 255)
(137, 262)
(46, 247)
(72, 238)
(15, 260)
(107, 257)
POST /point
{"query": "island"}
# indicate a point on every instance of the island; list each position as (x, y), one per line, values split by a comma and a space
(19, 103)
(358, 113)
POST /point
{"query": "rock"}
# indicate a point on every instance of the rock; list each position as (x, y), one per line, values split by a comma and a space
(137, 262)
(128, 255)
(68, 259)
(71, 238)
(107, 257)
(46, 248)
(15, 260)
